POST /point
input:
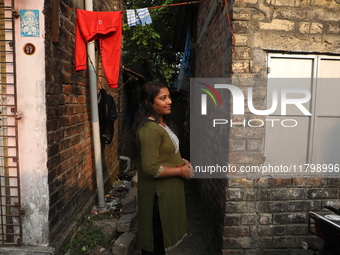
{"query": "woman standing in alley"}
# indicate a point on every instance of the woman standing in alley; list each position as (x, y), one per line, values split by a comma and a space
(161, 170)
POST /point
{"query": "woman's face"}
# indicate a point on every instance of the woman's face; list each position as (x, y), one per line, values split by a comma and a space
(162, 102)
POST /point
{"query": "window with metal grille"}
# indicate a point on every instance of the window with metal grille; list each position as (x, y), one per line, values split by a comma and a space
(10, 220)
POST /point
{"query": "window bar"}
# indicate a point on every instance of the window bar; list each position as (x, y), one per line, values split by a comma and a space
(10, 218)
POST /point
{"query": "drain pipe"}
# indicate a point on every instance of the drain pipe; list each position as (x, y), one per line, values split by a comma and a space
(128, 162)
(95, 118)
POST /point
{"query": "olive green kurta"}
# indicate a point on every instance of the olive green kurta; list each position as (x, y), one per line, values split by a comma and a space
(155, 148)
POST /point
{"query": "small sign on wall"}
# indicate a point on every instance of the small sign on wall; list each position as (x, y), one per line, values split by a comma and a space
(29, 48)
(29, 23)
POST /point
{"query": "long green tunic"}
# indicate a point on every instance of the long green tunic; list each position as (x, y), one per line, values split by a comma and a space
(155, 149)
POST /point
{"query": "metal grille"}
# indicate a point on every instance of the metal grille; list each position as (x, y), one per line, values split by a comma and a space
(10, 220)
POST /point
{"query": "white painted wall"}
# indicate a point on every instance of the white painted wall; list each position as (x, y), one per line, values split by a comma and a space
(32, 130)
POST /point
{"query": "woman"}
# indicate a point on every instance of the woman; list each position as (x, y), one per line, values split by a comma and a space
(161, 170)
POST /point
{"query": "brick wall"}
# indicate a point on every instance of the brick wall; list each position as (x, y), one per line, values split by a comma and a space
(72, 179)
(262, 216)
(213, 60)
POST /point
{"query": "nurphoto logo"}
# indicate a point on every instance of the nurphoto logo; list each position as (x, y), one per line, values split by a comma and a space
(204, 97)
(239, 104)
(263, 127)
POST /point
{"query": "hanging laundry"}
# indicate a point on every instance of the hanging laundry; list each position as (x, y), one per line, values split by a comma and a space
(181, 83)
(131, 18)
(187, 54)
(143, 16)
(107, 28)
(107, 115)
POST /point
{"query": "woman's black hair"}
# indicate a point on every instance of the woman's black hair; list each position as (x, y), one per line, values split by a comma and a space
(149, 91)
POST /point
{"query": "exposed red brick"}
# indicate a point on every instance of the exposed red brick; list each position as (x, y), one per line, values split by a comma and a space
(70, 162)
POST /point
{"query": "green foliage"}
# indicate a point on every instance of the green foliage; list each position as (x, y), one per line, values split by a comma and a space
(89, 218)
(152, 45)
(88, 235)
(145, 42)
(87, 238)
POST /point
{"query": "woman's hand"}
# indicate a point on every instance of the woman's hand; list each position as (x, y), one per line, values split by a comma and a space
(184, 171)
(185, 161)
(188, 172)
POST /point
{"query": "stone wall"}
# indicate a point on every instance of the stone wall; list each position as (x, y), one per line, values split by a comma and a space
(262, 216)
(269, 216)
(72, 178)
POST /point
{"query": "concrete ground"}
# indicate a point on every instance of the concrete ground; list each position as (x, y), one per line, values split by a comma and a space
(26, 250)
(195, 241)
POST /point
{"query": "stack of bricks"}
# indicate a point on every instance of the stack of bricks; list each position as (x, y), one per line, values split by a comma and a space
(127, 225)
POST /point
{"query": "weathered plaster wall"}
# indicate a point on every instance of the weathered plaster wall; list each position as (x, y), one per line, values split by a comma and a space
(32, 131)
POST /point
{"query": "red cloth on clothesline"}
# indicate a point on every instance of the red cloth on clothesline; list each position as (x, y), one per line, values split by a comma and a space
(107, 28)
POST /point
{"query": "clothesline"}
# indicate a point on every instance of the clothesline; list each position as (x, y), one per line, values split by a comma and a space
(225, 2)
(171, 5)
(167, 5)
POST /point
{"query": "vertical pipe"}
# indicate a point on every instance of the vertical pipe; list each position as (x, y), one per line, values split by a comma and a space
(95, 117)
